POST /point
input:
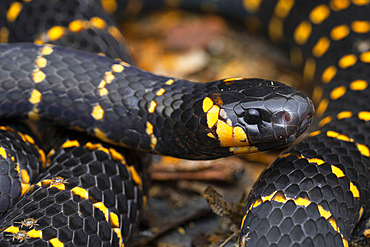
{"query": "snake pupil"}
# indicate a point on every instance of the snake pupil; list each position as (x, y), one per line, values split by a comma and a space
(252, 116)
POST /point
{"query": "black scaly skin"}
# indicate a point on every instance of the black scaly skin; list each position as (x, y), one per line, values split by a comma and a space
(98, 203)
(70, 91)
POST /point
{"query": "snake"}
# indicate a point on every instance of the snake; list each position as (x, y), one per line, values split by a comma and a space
(92, 193)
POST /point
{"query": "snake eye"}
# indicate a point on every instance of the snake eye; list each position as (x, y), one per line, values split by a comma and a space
(252, 116)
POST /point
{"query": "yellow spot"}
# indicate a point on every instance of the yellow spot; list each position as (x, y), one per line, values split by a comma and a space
(275, 29)
(25, 188)
(135, 176)
(117, 68)
(35, 233)
(365, 57)
(56, 33)
(160, 92)
(211, 135)
(360, 214)
(115, 32)
(56, 242)
(102, 208)
(321, 47)
(12, 229)
(81, 192)
(338, 172)
(328, 74)
(358, 85)
(319, 14)
(316, 161)
(212, 116)
(325, 121)
(283, 8)
(315, 133)
(169, 82)
(103, 91)
(29, 139)
(108, 76)
(98, 22)
(324, 213)
(97, 112)
(46, 50)
(240, 138)
(76, 26)
(35, 97)
(149, 128)
(69, 144)
(4, 35)
(322, 107)
(296, 56)
(347, 61)
(38, 76)
(364, 115)
(317, 94)
(333, 223)
(354, 190)
(25, 177)
(152, 106)
(41, 62)
(309, 69)
(279, 197)
(339, 32)
(252, 5)
(101, 135)
(116, 155)
(92, 146)
(113, 220)
(225, 134)
(207, 104)
(13, 11)
(3, 153)
(364, 150)
(360, 26)
(337, 5)
(361, 2)
(338, 92)
(257, 203)
(109, 6)
(304, 202)
(344, 114)
(302, 32)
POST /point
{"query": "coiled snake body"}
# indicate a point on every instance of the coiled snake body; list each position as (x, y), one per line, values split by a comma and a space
(313, 195)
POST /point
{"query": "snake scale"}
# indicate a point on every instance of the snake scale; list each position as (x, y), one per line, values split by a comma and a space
(314, 194)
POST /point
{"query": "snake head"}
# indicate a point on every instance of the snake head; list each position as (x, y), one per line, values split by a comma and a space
(250, 115)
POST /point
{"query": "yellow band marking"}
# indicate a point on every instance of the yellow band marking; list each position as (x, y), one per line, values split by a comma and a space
(309, 69)
(339, 32)
(149, 131)
(3, 153)
(207, 104)
(12, 229)
(81, 192)
(347, 61)
(339, 5)
(364, 115)
(358, 85)
(322, 107)
(69, 144)
(328, 74)
(302, 32)
(251, 5)
(354, 190)
(135, 176)
(97, 112)
(4, 35)
(103, 209)
(365, 57)
(113, 220)
(225, 134)
(98, 23)
(152, 106)
(35, 97)
(361, 2)
(240, 137)
(360, 26)
(76, 26)
(169, 82)
(116, 33)
(116, 155)
(25, 177)
(109, 6)
(160, 92)
(338, 92)
(319, 14)
(317, 94)
(35, 233)
(41, 62)
(56, 32)
(315, 133)
(283, 7)
(321, 47)
(344, 114)
(325, 121)
(56, 242)
(364, 150)
(38, 76)
(46, 50)
(212, 116)
(13, 11)
(117, 68)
